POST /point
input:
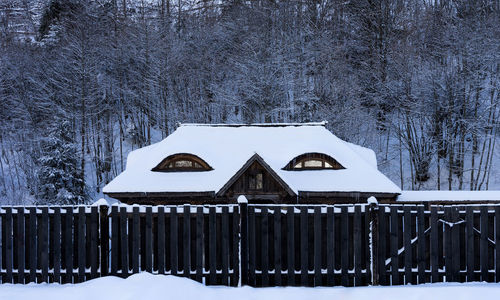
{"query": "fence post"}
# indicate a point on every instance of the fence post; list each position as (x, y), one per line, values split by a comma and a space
(104, 238)
(373, 217)
(243, 205)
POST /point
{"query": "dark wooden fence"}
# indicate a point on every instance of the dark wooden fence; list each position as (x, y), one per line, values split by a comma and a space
(349, 245)
(74, 244)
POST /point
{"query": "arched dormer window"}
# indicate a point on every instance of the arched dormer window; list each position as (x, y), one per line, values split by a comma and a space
(182, 162)
(313, 161)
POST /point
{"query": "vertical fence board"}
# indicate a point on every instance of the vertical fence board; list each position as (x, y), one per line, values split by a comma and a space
(304, 256)
(212, 238)
(407, 244)
(434, 245)
(44, 245)
(94, 259)
(173, 241)
(265, 246)
(344, 254)
(32, 244)
(455, 244)
(57, 244)
(497, 243)
(330, 255)
(68, 247)
(21, 259)
(483, 246)
(115, 241)
(136, 236)
(9, 265)
(394, 233)
(447, 244)
(236, 248)
(149, 239)
(469, 227)
(225, 245)
(81, 244)
(244, 243)
(277, 246)
(124, 241)
(104, 240)
(421, 245)
(381, 243)
(317, 247)
(186, 237)
(199, 244)
(357, 245)
(290, 219)
(251, 246)
(161, 240)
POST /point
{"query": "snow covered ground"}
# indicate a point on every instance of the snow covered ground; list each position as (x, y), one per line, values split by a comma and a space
(147, 286)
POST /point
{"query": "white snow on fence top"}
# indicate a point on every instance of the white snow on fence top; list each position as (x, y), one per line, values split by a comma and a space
(227, 148)
(426, 196)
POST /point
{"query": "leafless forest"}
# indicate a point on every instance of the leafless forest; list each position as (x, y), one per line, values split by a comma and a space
(83, 82)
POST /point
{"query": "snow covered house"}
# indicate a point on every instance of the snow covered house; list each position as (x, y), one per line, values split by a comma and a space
(268, 163)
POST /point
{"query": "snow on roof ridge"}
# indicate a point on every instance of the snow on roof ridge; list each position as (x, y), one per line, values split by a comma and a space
(322, 123)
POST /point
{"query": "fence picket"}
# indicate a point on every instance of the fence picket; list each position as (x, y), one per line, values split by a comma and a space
(20, 245)
(44, 245)
(277, 246)
(290, 220)
(199, 244)
(103, 237)
(161, 240)
(497, 243)
(136, 231)
(173, 241)
(115, 242)
(94, 259)
(236, 248)
(407, 244)
(421, 245)
(317, 247)
(68, 247)
(149, 240)
(212, 235)
(124, 241)
(483, 245)
(304, 247)
(344, 254)
(8, 246)
(394, 237)
(382, 233)
(81, 244)
(57, 244)
(357, 245)
(455, 248)
(186, 238)
(225, 245)
(330, 255)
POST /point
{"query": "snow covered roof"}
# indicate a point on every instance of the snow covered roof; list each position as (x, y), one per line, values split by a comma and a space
(443, 196)
(226, 148)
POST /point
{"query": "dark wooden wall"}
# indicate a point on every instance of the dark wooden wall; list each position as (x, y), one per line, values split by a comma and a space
(272, 191)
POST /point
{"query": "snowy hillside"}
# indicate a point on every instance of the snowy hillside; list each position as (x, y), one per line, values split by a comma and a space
(416, 83)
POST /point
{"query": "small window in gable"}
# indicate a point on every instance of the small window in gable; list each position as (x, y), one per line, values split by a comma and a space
(182, 162)
(255, 182)
(313, 161)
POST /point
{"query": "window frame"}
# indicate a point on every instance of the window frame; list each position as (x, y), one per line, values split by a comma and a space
(303, 158)
(164, 165)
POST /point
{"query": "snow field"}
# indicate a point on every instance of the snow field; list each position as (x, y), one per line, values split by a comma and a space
(148, 286)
